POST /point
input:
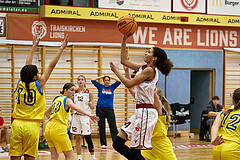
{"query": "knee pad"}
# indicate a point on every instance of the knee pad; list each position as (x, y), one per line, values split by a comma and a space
(89, 142)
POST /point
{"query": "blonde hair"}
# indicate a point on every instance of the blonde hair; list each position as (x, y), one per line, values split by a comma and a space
(165, 104)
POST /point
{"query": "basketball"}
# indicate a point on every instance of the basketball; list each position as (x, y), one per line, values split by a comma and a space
(127, 25)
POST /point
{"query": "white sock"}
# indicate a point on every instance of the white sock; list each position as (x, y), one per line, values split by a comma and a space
(79, 157)
(8, 145)
(93, 156)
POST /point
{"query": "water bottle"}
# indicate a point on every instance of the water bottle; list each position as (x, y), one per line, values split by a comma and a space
(207, 137)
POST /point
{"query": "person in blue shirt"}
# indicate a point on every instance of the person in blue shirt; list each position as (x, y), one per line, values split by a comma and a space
(104, 108)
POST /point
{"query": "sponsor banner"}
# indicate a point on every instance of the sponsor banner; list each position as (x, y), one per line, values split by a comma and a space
(162, 35)
(2, 27)
(192, 6)
(140, 16)
(224, 7)
(153, 5)
(18, 9)
(19, 5)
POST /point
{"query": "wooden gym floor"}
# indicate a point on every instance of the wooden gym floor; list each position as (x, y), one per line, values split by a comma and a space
(185, 149)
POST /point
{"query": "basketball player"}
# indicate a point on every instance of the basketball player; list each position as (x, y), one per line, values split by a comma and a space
(140, 126)
(56, 129)
(30, 106)
(161, 145)
(226, 132)
(81, 124)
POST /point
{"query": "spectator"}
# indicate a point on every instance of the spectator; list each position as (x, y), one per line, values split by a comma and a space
(213, 109)
(104, 108)
(4, 132)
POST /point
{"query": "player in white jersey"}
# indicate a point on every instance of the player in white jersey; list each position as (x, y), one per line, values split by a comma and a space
(81, 124)
(140, 126)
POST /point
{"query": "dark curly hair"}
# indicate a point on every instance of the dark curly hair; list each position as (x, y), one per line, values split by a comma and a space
(163, 63)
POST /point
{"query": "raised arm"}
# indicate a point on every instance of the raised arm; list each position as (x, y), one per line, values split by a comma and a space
(70, 104)
(116, 79)
(35, 40)
(97, 78)
(215, 139)
(124, 57)
(145, 74)
(43, 79)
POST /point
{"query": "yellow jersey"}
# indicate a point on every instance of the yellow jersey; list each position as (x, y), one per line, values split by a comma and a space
(27, 108)
(161, 126)
(59, 112)
(230, 126)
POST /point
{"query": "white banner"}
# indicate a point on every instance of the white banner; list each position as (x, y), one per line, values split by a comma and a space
(151, 5)
(192, 6)
(224, 7)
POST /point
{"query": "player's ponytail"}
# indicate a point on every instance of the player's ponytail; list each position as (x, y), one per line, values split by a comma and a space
(165, 104)
(27, 74)
(163, 63)
(236, 101)
(167, 109)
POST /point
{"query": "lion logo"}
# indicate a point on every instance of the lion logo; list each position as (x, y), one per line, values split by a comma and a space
(189, 4)
(39, 28)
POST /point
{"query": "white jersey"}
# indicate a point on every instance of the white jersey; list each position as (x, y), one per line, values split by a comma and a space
(145, 90)
(81, 100)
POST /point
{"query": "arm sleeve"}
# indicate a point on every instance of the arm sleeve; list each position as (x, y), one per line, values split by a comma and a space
(116, 84)
(95, 83)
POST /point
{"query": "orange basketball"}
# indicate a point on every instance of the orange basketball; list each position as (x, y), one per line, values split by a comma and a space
(127, 25)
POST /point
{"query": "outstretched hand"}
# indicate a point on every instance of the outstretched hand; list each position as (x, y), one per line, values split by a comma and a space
(94, 118)
(217, 141)
(125, 37)
(113, 67)
(36, 40)
(65, 42)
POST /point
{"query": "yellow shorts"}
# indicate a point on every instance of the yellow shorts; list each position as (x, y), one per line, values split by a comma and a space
(226, 151)
(56, 136)
(161, 149)
(24, 138)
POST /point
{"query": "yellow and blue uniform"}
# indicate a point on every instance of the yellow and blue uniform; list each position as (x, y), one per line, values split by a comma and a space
(161, 145)
(230, 131)
(28, 114)
(56, 129)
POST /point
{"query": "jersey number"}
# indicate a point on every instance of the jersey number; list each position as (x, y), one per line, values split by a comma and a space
(56, 107)
(27, 100)
(236, 120)
(233, 124)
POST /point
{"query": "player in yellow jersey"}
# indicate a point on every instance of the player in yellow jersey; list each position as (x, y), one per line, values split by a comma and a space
(161, 145)
(56, 129)
(30, 106)
(226, 132)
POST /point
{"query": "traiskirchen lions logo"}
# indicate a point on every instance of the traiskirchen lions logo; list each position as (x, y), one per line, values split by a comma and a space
(39, 28)
(189, 4)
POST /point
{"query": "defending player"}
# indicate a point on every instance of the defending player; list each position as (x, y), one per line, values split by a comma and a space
(226, 132)
(30, 106)
(56, 129)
